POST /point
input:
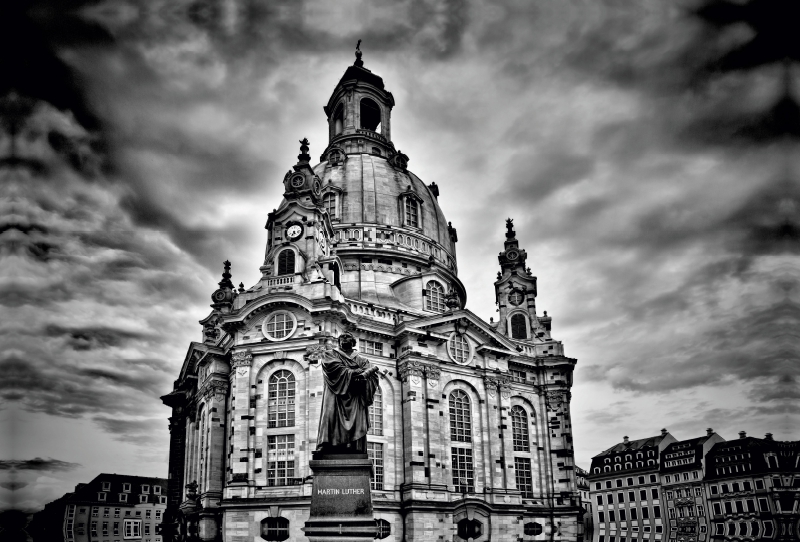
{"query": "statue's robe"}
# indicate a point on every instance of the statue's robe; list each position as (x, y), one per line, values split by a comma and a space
(345, 399)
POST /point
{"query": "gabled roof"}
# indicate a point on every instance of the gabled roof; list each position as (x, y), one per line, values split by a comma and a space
(88, 492)
(632, 445)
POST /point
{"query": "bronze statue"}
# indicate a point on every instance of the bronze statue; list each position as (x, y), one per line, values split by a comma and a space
(350, 384)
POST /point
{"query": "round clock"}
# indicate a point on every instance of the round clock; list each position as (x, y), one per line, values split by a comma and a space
(317, 187)
(512, 255)
(294, 232)
(515, 297)
(298, 181)
(219, 295)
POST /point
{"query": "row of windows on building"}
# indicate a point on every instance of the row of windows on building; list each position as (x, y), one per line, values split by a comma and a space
(653, 479)
(743, 528)
(280, 462)
(694, 475)
(645, 529)
(148, 512)
(740, 506)
(632, 514)
(608, 498)
(123, 497)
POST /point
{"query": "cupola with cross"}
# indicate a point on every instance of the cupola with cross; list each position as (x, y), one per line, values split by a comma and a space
(359, 116)
(515, 292)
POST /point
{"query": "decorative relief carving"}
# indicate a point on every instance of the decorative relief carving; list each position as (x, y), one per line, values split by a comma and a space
(410, 368)
(315, 353)
(556, 399)
(242, 359)
(214, 388)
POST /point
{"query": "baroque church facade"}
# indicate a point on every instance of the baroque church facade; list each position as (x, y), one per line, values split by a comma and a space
(470, 436)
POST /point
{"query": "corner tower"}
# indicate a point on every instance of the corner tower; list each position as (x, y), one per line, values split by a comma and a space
(515, 294)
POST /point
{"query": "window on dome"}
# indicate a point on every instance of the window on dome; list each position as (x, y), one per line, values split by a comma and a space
(434, 300)
(338, 120)
(370, 115)
(329, 204)
(286, 262)
(519, 327)
(412, 212)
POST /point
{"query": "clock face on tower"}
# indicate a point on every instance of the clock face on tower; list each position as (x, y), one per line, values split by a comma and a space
(294, 232)
(512, 255)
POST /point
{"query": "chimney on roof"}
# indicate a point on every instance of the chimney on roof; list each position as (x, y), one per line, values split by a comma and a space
(709, 431)
(663, 432)
(742, 434)
(768, 436)
(625, 440)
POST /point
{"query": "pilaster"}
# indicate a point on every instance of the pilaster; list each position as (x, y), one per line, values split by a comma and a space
(239, 438)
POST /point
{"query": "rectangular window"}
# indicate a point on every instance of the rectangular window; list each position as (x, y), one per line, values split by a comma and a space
(755, 527)
(116, 512)
(763, 505)
(751, 505)
(142, 498)
(731, 529)
(671, 512)
(759, 484)
(728, 507)
(643, 494)
(94, 529)
(622, 514)
(608, 484)
(724, 488)
(463, 478)
(145, 488)
(685, 476)
(629, 481)
(645, 513)
(126, 487)
(618, 483)
(157, 490)
(147, 513)
(601, 517)
(598, 485)
(146, 529)
(620, 497)
(611, 516)
(656, 511)
(768, 529)
(518, 376)
(600, 499)
(370, 347)
(736, 487)
(610, 498)
(634, 514)
(123, 497)
(654, 493)
(106, 512)
(375, 453)
(280, 460)
(95, 511)
(748, 486)
(101, 497)
(105, 528)
(375, 412)
(522, 466)
(695, 475)
(106, 486)
(714, 490)
(116, 528)
(717, 509)
(739, 507)
(700, 510)
(719, 528)
(698, 491)
(653, 479)
(641, 479)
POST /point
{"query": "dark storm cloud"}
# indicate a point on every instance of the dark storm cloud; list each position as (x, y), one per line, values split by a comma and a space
(37, 464)
(126, 430)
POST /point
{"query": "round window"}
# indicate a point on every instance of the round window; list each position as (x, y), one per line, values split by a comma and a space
(459, 349)
(298, 181)
(279, 326)
(515, 297)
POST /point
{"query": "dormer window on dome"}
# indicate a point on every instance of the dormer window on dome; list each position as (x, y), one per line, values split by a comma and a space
(411, 209)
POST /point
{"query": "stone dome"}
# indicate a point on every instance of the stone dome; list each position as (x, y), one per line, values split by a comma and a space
(372, 192)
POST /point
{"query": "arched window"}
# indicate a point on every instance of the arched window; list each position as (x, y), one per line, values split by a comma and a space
(412, 212)
(376, 413)
(628, 465)
(370, 115)
(617, 459)
(628, 457)
(329, 204)
(286, 262)
(338, 120)
(519, 429)
(639, 464)
(434, 299)
(617, 467)
(607, 468)
(461, 442)
(519, 328)
(281, 393)
(460, 418)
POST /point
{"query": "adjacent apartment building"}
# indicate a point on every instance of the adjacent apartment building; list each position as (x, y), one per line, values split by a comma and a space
(110, 508)
(586, 500)
(625, 487)
(697, 490)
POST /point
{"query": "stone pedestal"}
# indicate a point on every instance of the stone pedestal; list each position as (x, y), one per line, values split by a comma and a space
(341, 502)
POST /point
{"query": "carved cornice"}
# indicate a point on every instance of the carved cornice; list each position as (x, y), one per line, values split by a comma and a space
(242, 358)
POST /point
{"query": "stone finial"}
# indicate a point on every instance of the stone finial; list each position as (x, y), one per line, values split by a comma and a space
(226, 276)
(742, 434)
(358, 62)
(709, 431)
(241, 287)
(625, 440)
(510, 228)
(304, 157)
(768, 436)
(664, 432)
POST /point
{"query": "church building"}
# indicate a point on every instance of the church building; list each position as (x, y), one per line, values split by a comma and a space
(470, 430)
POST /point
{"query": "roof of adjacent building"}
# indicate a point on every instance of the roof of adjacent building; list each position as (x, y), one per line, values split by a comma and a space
(694, 444)
(88, 492)
(632, 445)
(747, 456)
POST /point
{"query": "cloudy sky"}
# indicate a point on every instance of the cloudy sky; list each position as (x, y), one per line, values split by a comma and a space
(646, 149)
